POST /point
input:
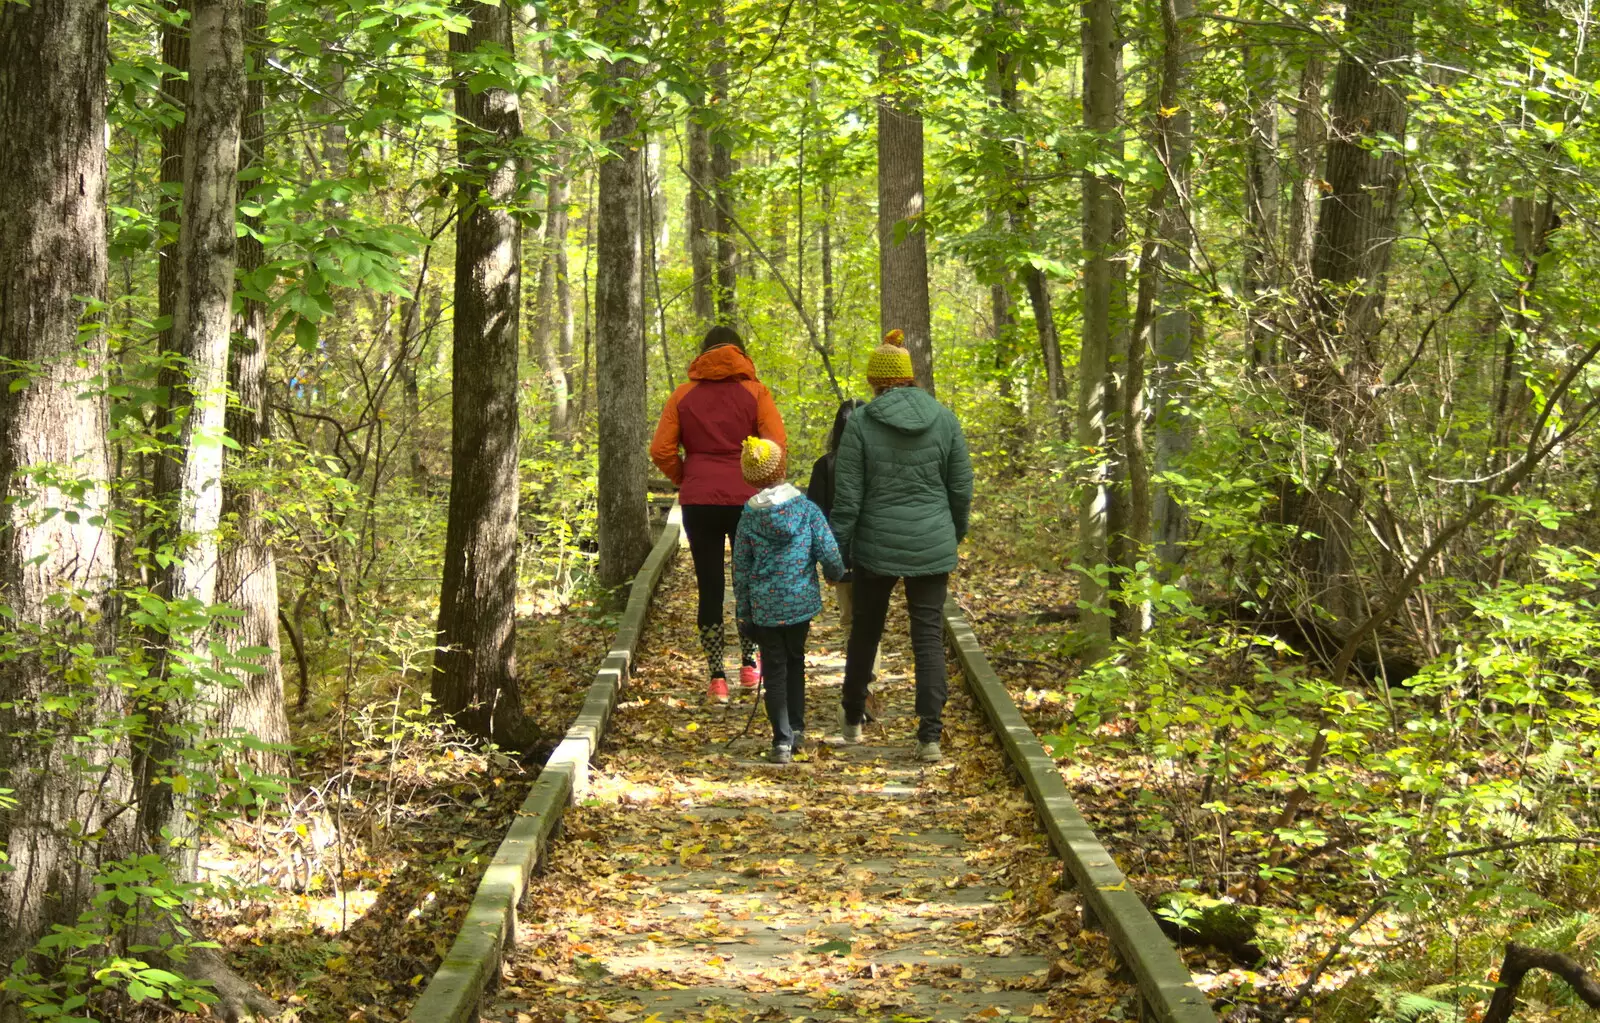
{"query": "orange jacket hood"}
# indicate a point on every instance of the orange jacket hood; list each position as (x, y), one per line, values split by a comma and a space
(723, 363)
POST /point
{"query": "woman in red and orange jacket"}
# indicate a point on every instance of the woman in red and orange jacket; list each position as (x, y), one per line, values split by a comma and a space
(709, 417)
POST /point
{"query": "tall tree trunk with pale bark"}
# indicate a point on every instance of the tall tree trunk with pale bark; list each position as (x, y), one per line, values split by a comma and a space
(553, 253)
(902, 234)
(474, 676)
(623, 521)
(189, 480)
(53, 259)
(247, 572)
(1105, 311)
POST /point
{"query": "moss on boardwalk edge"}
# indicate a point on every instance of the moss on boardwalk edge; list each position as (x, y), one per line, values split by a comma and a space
(1167, 989)
(470, 968)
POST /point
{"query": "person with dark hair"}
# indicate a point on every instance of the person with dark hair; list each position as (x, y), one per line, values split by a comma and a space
(708, 418)
(902, 494)
(820, 493)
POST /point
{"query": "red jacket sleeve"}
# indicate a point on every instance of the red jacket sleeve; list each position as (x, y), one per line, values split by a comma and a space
(664, 447)
(769, 424)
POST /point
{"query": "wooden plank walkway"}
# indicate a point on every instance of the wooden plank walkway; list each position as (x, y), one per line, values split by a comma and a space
(697, 882)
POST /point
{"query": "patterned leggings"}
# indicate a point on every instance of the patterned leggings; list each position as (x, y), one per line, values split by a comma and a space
(714, 643)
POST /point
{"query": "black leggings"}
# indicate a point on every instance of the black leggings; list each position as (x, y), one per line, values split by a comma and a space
(925, 607)
(711, 529)
(783, 664)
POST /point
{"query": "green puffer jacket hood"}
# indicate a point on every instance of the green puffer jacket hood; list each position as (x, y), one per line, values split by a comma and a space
(902, 486)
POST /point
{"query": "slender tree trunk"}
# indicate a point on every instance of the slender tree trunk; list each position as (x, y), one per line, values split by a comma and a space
(175, 87)
(1104, 310)
(1175, 324)
(722, 167)
(623, 521)
(591, 183)
(553, 257)
(652, 197)
(475, 669)
(702, 217)
(825, 258)
(1263, 184)
(247, 574)
(52, 259)
(1019, 218)
(902, 234)
(552, 268)
(727, 283)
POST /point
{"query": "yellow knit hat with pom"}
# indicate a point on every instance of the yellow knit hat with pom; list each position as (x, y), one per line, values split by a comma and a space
(761, 461)
(890, 362)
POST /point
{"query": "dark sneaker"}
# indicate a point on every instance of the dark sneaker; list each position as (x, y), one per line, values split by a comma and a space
(798, 743)
(928, 752)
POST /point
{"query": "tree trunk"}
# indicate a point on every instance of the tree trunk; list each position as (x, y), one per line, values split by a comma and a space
(1104, 311)
(722, 167)
(825, 258)
(175, 87)
(702, 216)
(247, 572)
(1263, 184)
(1019, 218)
(52, 259)
(1355, 233)
(191, 483)
(553, 258)
(727, 285)
(623, 523)
(475, 668)
(1175, 322)
(1310, 136)
(902, 237)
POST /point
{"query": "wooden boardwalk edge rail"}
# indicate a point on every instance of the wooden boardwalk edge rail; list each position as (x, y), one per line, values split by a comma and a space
(1165, 986)
(469, 970)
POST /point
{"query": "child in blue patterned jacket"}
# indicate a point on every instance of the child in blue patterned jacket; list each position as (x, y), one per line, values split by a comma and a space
(782, 538)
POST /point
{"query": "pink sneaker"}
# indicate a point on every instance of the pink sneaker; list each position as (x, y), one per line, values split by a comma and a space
(718, 690)
(750, 676)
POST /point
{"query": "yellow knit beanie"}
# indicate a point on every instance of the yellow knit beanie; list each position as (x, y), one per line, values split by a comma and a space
(761, 461)
(890, 362)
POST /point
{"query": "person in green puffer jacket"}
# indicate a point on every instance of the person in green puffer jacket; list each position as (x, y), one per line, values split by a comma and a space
(902, 493)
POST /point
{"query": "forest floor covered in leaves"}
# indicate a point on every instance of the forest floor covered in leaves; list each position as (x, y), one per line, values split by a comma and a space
(1321, 931)
(1142, 808)
(343, 908)
(696, 882)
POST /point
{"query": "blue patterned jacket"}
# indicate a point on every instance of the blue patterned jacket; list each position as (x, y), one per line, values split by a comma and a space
(782, 538)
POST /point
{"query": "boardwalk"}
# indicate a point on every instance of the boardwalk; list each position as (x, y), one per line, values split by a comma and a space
(699, 883)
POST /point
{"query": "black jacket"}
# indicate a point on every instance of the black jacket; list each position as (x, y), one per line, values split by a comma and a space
(820, 489)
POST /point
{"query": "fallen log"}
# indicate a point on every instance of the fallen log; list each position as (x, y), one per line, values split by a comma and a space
(1519, 960)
